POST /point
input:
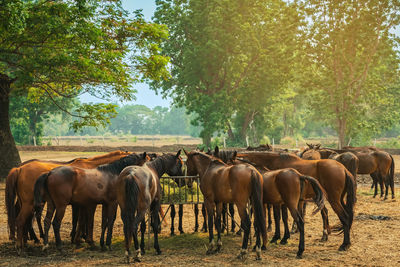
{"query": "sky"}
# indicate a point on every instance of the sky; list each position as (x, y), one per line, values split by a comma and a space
(144, 96)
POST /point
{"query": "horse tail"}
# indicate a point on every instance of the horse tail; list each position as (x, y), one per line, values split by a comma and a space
(391, 174)
(131, 199)
(163, 217)
(353, 168)
(256, 198)
(351, 198)
(40, 185)
(318, 191)
(10, 197)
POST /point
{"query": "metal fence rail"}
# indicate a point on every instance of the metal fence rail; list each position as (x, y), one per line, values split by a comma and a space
(176, 190)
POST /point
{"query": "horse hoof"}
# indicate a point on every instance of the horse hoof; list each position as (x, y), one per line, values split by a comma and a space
(324, 238)
(263, 247)
(274, 241)
(103, 249)
(109, 248)
(269, 229)
(158, 252)
(283, 242)
(344, 247)
(299, 256)
(258, 258)
(172, 234)
(181, 232)
(239, 233)
(142, 251)
(242, 255)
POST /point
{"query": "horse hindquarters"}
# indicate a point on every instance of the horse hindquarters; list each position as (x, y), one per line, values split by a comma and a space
(257, 202)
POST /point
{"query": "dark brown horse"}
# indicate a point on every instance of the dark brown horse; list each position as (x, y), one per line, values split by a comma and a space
(333, 176)
(21, 180)
(138, 189)
(237, 184)
(286, 188)
(83, 187)
(377, 163)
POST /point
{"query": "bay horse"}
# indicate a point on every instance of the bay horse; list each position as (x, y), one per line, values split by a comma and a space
(336, 180)
(377, 163)
(86, 188)
(21, 180)
(284, 189)
(138, 189)
(237, 184)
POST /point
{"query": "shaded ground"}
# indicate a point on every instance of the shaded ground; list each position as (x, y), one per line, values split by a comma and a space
(375, 241)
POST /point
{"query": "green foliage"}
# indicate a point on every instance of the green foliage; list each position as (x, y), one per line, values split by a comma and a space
(265, 140)
(64, 48)
(391, 143)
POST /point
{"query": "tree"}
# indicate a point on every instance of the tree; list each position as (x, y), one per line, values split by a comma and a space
(225, 55)
(352, 64)
(64, 48)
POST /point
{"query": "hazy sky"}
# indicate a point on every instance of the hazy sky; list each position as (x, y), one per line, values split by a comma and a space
(145, 96)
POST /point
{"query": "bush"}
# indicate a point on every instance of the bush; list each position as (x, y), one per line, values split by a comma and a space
(288, 140)
(391, 143)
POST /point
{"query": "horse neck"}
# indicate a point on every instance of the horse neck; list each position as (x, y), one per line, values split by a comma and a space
(107, 158)
(158, 165)
(202, 163)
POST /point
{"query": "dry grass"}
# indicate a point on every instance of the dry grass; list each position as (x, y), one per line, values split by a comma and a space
(374, 242)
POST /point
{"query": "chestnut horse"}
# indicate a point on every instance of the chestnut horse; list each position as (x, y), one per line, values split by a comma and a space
(21, 180)
(333, 176)
(138, 189)
(237, 184)
(86, 188)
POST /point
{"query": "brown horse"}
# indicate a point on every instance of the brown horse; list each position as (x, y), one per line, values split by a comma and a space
(377, 163)
(286, 188)
(138, 189)
(333, 176)
(86, 188)
(21, 180)
(237, 184)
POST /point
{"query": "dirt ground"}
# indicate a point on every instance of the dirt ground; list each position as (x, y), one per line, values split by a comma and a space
(375, 238)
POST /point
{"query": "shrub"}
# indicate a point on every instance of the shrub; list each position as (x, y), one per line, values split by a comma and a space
(265, 140)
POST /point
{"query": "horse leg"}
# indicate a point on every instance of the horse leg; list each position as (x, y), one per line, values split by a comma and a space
(142, 233)
(380, 179)
(180, 213)
(387, 184)
(127, 220)
(104, 222)
(232, 213)
(139, 218)
(326, 228)
(196, 217)
(210, 213)
(218, 224)
(172, 219)
(245, 223)
(81, 225)
(60, 211)
(302, 209)
(32, 233)
(156, 221)
(90, 220)
(224, 212)
(269, 228)
(286, 235)
(21, 220)
(38, 216)
(277, 220)
(204, 213)
(300, 225)
(345, 220)
(75, 216)
(374, 183)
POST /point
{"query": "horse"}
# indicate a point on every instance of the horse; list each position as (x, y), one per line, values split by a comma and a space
(285, 188)
(237, 184)
(138, 189)
(377, 163)
(21, 180)
(86, 188)
(336, 180)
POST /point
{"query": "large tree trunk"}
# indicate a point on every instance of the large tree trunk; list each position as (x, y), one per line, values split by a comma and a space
(9, 156)
(342, 132)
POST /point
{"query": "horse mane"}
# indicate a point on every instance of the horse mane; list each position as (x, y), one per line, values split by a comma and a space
(211, 157)
(50, 161)
(158, 163)
(103, 156)
(116, 167)
(287, 156)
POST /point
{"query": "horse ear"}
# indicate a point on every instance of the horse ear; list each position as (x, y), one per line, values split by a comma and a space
(184, 151)
(318, 146)
(234, 155)
(144, 155)
(178, 153)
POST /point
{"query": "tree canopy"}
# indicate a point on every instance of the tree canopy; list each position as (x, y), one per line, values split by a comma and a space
(65, 48)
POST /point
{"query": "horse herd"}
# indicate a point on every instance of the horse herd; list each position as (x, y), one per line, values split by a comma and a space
(131, 181)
